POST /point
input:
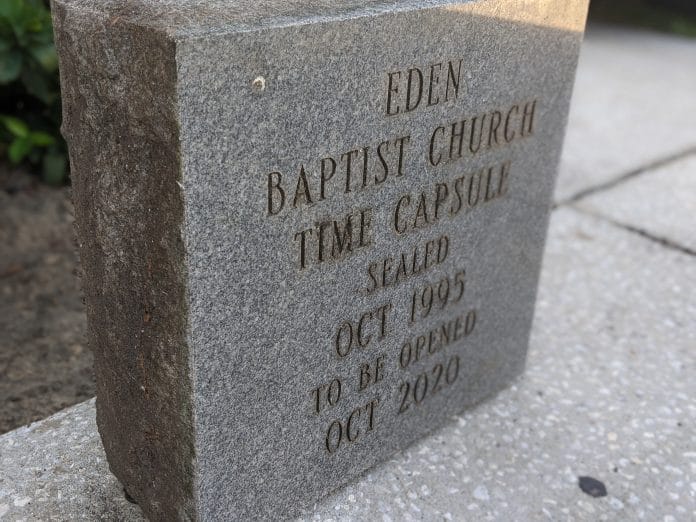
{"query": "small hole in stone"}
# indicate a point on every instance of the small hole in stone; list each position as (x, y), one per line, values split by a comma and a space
(259, 84)
(128, 497)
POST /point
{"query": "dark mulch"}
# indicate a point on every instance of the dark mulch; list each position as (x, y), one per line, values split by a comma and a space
(45, 365)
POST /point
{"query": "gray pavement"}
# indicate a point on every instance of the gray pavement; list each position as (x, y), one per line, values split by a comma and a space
(610, 388)
(659, 203)
(633, 106)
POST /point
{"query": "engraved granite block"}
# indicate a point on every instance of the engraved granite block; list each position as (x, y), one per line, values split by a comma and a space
(310, 231)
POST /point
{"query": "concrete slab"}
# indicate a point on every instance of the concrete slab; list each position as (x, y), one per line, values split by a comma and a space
(633, 93)
(661, 203)
(56, 470)
(608, 393)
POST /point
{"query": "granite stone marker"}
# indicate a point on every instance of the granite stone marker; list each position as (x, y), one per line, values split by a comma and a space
(310, 231)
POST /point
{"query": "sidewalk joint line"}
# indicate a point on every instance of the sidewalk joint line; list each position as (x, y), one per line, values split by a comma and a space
(664, 242)
(661, 162)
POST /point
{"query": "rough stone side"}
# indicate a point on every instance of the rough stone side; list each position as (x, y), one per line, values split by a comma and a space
(119, 103)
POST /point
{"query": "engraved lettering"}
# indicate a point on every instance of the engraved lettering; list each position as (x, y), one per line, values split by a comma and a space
(326, 395)
(348, 158)
(410, 88)
(360, 332)
(383, 162)
(402, 142)
(436, 339)
(393, 89)
(433, 318)
(406, 89)
(431, 156)
(359, 423)
(445, 292)
(302, 236)
(444, 200)
(453, 79)
(509, 133)
(422, 388)
(359, 169)
(482, 120)
(528, 118)
(457, 136)
(481, 132)
(302, 190)
(335, 239)
(494, 125)
(276, 195)
(326, 175)
(434, 80)
(334, 432)
(352, 437)
(394, 270)
(371, 374)
(400, 226)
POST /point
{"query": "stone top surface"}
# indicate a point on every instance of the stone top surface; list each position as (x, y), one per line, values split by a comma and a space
(182, 18)
(202, 16)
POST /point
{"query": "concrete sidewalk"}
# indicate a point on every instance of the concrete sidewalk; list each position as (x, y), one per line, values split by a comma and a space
(610, 389)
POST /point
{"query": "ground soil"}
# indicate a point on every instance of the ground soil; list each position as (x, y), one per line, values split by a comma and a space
(45, 364)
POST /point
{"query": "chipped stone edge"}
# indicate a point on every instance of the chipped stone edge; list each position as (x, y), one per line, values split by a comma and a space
(120, 120)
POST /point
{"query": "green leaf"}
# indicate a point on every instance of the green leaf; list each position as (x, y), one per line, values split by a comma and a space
(54, 168)
(35, 155)
(35, 25)
(45, 35)
(41, 139)
(11, 9)
(16, 126)
(10, 65)
(19, 148)
(37, 84)
(46, 56)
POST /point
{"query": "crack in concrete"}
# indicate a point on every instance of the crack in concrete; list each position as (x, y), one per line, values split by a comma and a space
(662, 241)
(626, 176)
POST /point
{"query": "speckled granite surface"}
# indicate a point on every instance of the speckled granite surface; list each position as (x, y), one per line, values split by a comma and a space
(257, 275)
(183, 18)
(608, 393)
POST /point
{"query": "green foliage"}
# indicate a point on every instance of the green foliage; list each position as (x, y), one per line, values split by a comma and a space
(29, 89)
(672, 16)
